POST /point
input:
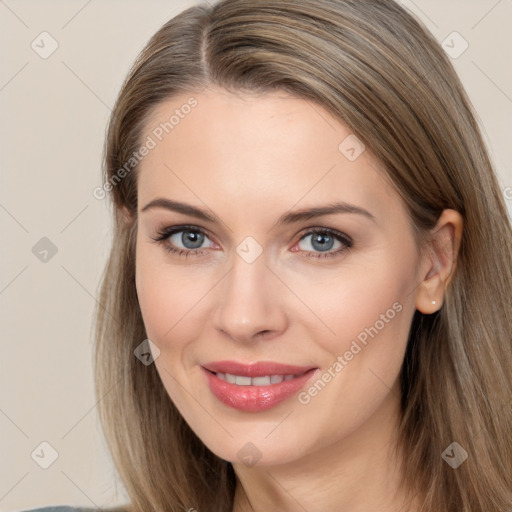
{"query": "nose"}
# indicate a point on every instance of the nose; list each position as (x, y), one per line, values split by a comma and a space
(250, 302)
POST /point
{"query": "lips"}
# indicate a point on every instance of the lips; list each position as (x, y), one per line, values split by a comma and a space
(255, 387)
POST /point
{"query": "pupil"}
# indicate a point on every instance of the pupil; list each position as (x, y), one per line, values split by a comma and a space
(191, 236)
(324, 241)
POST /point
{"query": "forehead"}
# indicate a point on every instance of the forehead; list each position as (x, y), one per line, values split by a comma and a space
(255, 150)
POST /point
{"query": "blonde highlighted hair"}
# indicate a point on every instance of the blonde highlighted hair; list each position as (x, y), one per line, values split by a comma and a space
(380, 72)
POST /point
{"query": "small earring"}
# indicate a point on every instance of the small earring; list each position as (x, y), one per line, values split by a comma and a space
(433, 302)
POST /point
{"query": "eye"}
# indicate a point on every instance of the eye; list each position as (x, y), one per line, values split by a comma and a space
(189, 240)
(182, 240)
(323, 240)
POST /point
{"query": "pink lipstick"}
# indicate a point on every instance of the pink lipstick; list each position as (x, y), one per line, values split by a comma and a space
(256, 386)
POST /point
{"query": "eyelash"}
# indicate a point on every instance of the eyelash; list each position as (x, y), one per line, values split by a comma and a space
(162, 236)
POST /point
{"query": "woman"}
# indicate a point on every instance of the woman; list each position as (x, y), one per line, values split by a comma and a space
(307, 300)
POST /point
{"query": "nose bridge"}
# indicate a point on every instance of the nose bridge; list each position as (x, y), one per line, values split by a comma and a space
(249, 302)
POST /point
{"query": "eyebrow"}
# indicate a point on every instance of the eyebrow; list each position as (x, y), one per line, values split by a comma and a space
(285, 219)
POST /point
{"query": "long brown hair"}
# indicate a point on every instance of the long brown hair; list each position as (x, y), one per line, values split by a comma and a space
(379, 71)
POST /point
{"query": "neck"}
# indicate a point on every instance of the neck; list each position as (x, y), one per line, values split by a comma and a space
(360, 472)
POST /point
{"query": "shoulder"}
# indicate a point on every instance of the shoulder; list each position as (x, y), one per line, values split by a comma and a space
(67, 508)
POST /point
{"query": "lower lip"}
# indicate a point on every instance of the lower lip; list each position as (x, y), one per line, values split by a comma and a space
(255, 398)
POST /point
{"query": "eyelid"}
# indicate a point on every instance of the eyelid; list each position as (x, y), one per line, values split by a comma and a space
(318, 229)
(163, 234)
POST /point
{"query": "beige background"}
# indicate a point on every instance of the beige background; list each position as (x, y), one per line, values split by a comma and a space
(54, 112)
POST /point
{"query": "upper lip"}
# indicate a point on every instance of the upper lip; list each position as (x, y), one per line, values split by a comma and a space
(256, 369)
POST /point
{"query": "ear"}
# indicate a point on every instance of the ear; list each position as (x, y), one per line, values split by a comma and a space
(438, 261)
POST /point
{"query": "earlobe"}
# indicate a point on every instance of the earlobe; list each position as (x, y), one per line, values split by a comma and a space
(440, 258)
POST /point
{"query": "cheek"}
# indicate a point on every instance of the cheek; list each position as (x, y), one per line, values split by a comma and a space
(153, 299)
(368, 310)
(169, 298)
(367, 295)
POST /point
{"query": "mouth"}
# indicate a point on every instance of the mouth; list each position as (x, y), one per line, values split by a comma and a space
(262, 390)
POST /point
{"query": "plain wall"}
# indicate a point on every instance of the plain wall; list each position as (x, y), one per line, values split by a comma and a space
(54, 112)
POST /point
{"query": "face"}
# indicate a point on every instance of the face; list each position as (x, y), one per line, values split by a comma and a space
(250, 280)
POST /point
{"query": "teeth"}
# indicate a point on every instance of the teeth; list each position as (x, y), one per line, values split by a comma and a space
(241, 380)
(228, 377)
(261, 381)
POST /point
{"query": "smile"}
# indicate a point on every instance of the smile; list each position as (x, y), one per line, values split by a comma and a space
(257, 393)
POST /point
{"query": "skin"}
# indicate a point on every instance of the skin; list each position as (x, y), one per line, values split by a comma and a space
(248, 159)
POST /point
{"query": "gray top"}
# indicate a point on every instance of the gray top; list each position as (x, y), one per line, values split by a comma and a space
(67, 508)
